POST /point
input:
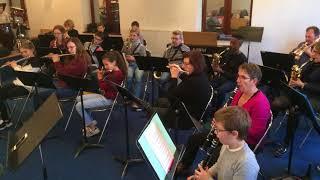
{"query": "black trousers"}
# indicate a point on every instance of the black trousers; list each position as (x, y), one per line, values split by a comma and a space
(9, 91)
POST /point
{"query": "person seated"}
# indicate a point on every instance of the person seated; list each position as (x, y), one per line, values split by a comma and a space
(309, 84)
(193, 91)
(4, 16)
(174, 53)
(224, 80)
(107, 41)
(312, 33)
(95, 46)
(115, 70)
(213, 21)
(69, 26)
(249, 97)
(136, 27)
(75, 65)
(16, 87)
(131, 48)
(236, 159)
(60, 38)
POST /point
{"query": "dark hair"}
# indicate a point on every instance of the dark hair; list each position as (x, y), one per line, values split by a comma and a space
(100, 24)
(315, 30)
(80, 50)
(196, 60)
(115, 56)
(135, 23)
(60, 28)
(234, 118)
(3, 5)
(253, 70)
(100, 34)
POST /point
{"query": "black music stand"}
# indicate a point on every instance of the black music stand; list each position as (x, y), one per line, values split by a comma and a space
(127, 96)
(35, 79)
(272, 76)
(153, 151)
(85, 38)
(280, 61)
(82, 85)
(99, 55)
(152, 64)
(31, 134)
(299, 103)
(45, 39)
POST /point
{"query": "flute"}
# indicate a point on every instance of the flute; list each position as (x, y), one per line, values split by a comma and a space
(59, 55)
(17, 61)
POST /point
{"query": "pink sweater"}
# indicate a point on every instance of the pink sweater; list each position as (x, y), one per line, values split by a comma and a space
(259, 110)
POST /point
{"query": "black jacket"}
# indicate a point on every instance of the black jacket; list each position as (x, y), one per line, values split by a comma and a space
(194, 91)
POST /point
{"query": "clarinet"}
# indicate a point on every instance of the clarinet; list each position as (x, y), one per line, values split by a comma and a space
(212, 141)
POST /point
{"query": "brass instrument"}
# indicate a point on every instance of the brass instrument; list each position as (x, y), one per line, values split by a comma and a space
(299, 51)
(296, 70)
(216, 58)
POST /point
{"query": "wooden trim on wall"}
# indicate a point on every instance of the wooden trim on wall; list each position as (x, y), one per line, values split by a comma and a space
(92, 12)
(227, 17)
(251, 7)
(204, 14)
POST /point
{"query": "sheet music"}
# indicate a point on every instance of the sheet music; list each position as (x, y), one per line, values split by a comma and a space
(159, 146)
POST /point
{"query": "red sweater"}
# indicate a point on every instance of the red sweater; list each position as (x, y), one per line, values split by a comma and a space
(110, 92)
(77, 67)
(258, 108)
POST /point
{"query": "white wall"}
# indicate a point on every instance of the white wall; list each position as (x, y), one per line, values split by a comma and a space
(158, 18)
(48, 13)
(284, 24)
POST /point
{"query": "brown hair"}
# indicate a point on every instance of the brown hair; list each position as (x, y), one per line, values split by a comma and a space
(178, 33)
(196, 60)
(80, 50)
(100, 35)
(234, 118)
(115, 56)
(60, 28)
(253, 70)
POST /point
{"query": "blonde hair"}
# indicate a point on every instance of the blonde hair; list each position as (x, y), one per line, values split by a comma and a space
(69, 23)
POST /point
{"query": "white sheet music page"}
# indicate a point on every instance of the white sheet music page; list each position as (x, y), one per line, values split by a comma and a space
(159, 146)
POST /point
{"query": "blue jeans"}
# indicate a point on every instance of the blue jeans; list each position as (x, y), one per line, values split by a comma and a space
(134, 74)
(91, 101)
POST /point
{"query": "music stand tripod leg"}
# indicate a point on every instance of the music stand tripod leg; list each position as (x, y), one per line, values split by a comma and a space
(84, 144)
(44, 168)
(127, 160)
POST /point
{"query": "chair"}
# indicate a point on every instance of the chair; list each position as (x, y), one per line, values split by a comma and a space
(308, 133)
(257, 147)
(265, 133)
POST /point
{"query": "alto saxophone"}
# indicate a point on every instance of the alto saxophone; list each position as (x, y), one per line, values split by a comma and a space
(296, 70)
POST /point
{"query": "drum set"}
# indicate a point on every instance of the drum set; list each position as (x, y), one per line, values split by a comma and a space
(12, 33)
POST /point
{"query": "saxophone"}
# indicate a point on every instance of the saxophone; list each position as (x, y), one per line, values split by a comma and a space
(296, 70)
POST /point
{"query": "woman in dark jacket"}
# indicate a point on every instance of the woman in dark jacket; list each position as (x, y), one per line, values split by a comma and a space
(193, 91)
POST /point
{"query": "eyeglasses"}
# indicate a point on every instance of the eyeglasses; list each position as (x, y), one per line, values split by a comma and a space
(242, 77)
(98, 39)
(216, 130)
(57, 33)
